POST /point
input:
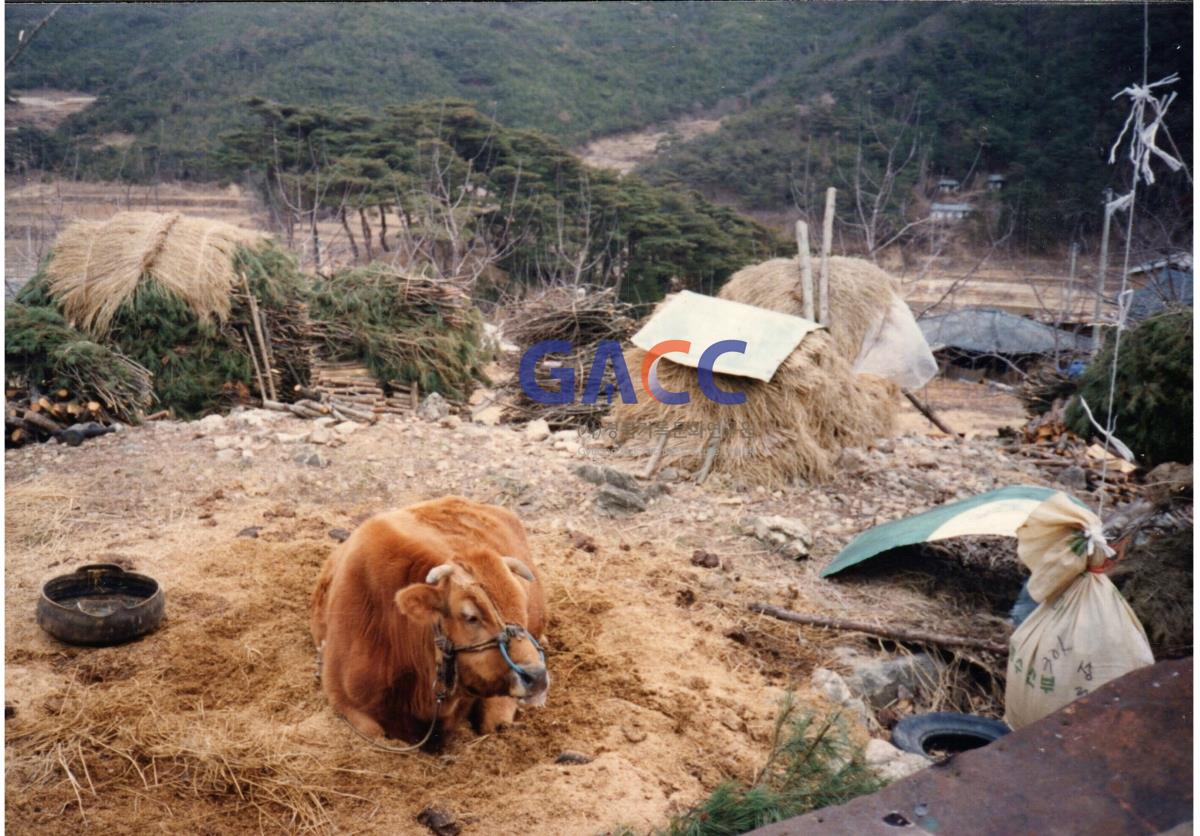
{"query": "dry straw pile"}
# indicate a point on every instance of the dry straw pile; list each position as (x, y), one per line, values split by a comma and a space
(97, 265)
(796, 425)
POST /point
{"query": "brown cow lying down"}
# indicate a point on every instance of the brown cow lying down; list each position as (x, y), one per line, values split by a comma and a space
(429, 615)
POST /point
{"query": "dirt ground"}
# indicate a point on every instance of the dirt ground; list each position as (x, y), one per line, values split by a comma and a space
(215, 723)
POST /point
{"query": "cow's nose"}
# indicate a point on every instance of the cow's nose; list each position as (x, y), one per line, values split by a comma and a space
(533, 679)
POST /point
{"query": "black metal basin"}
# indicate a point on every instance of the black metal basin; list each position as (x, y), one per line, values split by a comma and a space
(100, 604)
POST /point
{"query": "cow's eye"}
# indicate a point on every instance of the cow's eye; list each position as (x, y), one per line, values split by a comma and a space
(470, 619)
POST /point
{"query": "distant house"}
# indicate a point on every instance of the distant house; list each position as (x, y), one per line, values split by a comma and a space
(974, 343)
(950, 211)
(1167, 289)
(948, 185)
(995, 182)
(1181, 261)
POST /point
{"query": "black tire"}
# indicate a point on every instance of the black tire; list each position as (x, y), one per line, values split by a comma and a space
(945, 730)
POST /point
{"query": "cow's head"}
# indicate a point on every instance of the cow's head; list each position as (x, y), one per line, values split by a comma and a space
(474, 604)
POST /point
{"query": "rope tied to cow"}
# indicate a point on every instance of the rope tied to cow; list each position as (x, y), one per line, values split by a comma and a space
(446, 676)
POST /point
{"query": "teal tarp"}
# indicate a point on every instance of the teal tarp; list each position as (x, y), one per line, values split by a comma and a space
(1000, 511)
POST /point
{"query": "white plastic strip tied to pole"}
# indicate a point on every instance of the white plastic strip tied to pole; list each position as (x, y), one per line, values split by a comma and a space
(1083, 633)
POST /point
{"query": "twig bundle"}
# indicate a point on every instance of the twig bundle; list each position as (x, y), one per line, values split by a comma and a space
(405, 327)
(582, 316)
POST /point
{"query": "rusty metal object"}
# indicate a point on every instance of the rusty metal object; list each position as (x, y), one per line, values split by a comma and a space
(1116, 761)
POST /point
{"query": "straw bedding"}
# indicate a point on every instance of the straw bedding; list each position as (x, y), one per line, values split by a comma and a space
(796, 425)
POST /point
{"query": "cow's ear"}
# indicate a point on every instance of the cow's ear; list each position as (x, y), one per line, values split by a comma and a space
(419, 602)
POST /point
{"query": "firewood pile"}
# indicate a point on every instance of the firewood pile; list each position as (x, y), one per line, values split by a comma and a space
(1047, 441)
(348, 391)
(30, 416)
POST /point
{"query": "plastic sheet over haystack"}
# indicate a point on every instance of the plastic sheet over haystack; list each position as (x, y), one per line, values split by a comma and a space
(795, 425)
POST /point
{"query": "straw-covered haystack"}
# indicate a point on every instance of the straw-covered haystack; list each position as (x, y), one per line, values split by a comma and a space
(580, 315)
(796, 425)
(185, 298)
(97, 266)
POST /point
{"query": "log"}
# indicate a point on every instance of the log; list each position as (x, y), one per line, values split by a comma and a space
(710, 456)
(321, 408)
(93, 407)
(62, 394)
(39, 421)
(263, 392)
(886, 631)
(928, 412)
(74, 409)
(157, 416)
(652, 465)
(806, 277)
(17, 436)
(262, 342)
(346, 413)
(826, 246)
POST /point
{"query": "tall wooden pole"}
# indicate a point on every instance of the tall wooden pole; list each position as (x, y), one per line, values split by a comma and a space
(1101, 272)
(806, 277)
(826, 244)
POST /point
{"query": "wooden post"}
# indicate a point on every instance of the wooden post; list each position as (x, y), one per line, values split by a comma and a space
(806, 278)
(826, 244)
(1101, 273)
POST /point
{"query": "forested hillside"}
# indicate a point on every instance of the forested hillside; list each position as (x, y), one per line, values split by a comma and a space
(812, 94)
(174, 74)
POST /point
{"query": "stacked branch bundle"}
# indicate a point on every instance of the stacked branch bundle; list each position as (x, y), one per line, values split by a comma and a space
(162, 312)
(796, 425)
(581, 315)
(410, 331)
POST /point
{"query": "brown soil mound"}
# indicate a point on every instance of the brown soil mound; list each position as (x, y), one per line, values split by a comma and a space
(216, 721)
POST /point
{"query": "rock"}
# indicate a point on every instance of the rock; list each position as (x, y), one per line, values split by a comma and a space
(1168, 481)
(451, 422)
(854, 461)
(433, 407)
(489, 415)
(442, 466)
(250, 531)
(572, 758)
(229, 454)
(614, 499)
(786, 535)
(225, 442)
(601, 475)
(324, 421)
(311, 458)
(890, 763)
(583, 542)
(831, 685)
(254, 419)
(291, 438)
(440, 822)
(537, 430)
(1074, 477)
(669, 474)
(879, 679)
(210, 424)
(339, 534)
(480, 396)
(321, 435)
(346, 427)
(706, 559)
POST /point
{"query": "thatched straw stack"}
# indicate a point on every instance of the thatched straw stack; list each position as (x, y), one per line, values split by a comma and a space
(796, 425)
(95, 266)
